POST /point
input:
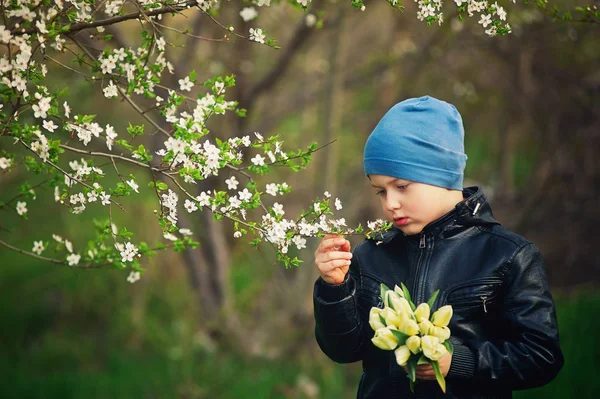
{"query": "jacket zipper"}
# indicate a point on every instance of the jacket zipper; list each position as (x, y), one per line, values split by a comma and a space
(484, 298)
(422, 245)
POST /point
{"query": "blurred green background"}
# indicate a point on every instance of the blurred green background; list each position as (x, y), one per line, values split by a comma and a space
(226, 321)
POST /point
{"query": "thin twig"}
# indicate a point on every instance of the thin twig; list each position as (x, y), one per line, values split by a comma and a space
(22, 251)
(191, 35)
(115, 20)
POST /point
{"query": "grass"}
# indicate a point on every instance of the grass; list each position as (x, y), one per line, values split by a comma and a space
(87, 357)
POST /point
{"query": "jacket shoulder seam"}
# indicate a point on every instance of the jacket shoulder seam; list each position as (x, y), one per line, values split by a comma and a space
(504, 236)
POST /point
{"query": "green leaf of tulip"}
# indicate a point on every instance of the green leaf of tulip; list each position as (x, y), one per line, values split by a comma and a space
(384, 289)
(407, 296)
(422, 360)
(431, 300)
(411, 365)
(438, 375)
(405, 291)
(401, 337)
(449, 346)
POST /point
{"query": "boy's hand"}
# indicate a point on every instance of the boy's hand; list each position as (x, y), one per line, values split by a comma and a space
(332, 258)
(425, 371)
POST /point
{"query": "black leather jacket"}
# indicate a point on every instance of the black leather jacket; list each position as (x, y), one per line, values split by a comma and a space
(504, 325)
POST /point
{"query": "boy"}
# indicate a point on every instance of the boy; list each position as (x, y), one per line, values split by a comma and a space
(444, 237)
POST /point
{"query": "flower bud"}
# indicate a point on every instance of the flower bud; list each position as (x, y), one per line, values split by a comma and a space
(375, 318)
(409, 327)
(442, 316)
(422, 311)
(392, 299)
(402, 355)
(414, 344)
(391, 318)
(425, 326)
(385, 339)
(399, 304)
(432, 348)
(443, 333)
(399, 291)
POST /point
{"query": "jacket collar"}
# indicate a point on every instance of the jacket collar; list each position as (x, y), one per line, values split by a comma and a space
(472, 211)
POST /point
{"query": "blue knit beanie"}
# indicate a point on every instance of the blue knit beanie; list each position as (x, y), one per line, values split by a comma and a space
(421, 140)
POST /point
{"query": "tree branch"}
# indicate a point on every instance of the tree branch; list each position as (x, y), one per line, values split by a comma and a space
(115, 20)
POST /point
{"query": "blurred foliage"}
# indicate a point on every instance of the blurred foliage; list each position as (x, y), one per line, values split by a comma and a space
(66, 335)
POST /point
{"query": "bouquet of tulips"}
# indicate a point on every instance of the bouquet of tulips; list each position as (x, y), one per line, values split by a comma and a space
(414, 334)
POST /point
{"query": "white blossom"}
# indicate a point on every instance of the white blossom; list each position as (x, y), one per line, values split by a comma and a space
(310, 20)
(190, 206)
(258, 160)
(133, 277)
(5, 163)
(133, 185)
(128, 252)
(38, 247)
(49, 126)
(186, 232)
(73, 259)
(338, 204)
(104, 198)
(272, 189)
(21, 208)
(170, 237)
(186, 84)
(248, 14)
(92, 196)
(110, 91)
(245, 195)
(299, 241)
(232, 183)
(485, 20)
(278, 209)
(257, 35)
(203, 199)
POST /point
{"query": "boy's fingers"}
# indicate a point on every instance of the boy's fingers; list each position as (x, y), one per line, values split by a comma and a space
(424, 367)
(333, 264)
(332, 255)
(331, 243)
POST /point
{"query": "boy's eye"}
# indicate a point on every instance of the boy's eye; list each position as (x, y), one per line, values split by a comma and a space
(380, 192)
(402, 187)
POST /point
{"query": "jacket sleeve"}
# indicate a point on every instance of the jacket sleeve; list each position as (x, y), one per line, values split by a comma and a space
(530, 355)
(339, 328)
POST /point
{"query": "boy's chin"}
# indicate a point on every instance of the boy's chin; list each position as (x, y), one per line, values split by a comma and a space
(410, 230)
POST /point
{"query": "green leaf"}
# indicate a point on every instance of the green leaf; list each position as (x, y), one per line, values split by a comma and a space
(405, 291)
(411, 365)
(449, 346)
(401, 337)
(422, 360)
(438, 375)
(407, 296)
(431, 300)
(384, 289)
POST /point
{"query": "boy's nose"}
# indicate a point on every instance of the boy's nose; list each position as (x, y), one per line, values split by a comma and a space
(392, 205)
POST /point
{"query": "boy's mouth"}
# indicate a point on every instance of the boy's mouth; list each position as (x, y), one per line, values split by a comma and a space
(400, 221)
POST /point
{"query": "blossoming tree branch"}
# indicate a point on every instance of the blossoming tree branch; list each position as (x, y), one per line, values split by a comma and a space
(71, 152)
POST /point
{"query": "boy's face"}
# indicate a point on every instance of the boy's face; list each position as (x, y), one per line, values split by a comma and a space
(410, 206)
